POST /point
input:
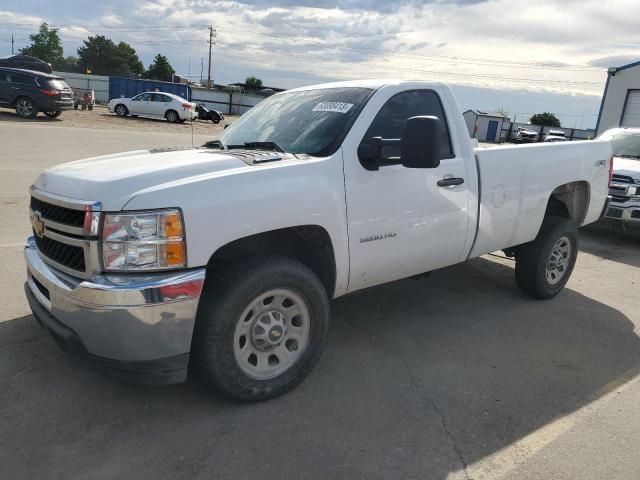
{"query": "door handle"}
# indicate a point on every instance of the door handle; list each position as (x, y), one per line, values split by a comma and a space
(450, 182)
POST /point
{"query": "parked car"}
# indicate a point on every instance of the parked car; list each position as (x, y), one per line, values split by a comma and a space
(524, 135)
(26, 62)
(155, 104)
(224, 258)
(624, 210)
(555, 136)
(30, 92)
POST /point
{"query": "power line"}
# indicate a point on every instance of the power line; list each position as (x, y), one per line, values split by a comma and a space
(429, 57)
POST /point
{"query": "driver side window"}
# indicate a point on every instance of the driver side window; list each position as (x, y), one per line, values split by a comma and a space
(391, 118)
(145, 97)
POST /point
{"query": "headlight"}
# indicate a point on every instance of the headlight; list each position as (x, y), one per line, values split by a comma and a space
(143, 241)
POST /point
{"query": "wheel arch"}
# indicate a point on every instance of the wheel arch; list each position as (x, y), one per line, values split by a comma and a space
(571, 201)
(309, 244)
(166, 112)
(22, 95)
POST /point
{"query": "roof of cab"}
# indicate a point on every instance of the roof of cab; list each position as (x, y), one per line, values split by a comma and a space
(373, 84)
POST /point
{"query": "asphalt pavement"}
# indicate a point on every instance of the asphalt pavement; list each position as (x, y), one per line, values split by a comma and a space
(455, 376)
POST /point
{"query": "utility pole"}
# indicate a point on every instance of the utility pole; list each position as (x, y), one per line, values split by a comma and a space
(12, 44)
(212, 36)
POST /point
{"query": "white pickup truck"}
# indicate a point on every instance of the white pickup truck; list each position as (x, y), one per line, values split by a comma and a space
(224, 258)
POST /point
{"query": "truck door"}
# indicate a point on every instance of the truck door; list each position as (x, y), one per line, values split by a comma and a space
(400, 221)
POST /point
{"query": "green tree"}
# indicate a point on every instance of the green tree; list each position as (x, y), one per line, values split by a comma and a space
(103, 57)
(547, 119)
(160, 69)
(45, 45)
(69, 64)
(131, 58)
(253, 83)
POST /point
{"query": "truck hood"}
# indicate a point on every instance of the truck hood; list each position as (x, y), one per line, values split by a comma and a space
(115, 179)
(626, 166)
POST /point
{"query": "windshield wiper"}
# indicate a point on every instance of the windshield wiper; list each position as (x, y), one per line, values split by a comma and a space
(259, 146)
(215, 144)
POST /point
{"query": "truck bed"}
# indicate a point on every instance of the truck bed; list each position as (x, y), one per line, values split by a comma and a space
(516, 182)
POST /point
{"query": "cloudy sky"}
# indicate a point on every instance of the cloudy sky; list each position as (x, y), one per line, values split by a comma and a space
(522, 56)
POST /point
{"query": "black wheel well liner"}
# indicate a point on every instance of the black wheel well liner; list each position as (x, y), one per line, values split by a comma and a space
(309, 244)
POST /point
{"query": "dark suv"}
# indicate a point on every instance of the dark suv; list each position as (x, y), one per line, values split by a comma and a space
(31, 92)
(27, 62)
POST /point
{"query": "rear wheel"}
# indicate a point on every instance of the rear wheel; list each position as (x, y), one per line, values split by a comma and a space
(54, 114)
(25, 108)
(261, 327)
(543, 267)
(172, 116)
(121, 110)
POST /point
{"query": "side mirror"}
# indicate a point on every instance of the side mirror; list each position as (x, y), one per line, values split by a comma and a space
(420, 143)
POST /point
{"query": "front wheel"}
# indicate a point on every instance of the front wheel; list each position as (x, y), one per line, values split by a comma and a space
(261, 327)
(121, 110)
(543, 267)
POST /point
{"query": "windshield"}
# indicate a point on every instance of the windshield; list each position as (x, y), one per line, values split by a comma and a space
(626, 145)
(310, 121)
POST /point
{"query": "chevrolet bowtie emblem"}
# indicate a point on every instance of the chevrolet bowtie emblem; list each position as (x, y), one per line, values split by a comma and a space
(37, 224)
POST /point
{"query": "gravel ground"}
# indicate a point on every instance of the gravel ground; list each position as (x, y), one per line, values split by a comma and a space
(457, 376)
(100, 118)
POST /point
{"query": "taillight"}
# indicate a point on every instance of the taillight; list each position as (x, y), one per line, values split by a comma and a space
(51, 93)
(186, 106)
(610, 171)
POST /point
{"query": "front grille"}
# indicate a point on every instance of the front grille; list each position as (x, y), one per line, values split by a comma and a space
(68, 256)
(614, 213)
(58, 214)
(622, 178)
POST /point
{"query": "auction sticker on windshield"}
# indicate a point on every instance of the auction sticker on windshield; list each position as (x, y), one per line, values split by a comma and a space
(338, 107)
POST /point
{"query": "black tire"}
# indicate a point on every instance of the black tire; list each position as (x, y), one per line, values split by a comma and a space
(90, 107)
(75, 106)
(532, 259)
(172, 116)
(55, 114)
(225, 296)
(121, 110)
(25, 108)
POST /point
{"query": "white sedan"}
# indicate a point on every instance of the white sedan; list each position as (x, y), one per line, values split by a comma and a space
(155, 104)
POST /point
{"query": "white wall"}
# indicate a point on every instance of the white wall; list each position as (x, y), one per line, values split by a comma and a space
(616, 94)
(227, 103)
(483, 126)
(98, 83)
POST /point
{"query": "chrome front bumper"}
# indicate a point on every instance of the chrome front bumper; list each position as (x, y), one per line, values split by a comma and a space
(628, 212)
(128, 321)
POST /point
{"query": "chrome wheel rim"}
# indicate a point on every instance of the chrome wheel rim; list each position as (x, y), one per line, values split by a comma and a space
(24, 108)
(559, 260)
(272, 333)
(120, 111)
(172, 117)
